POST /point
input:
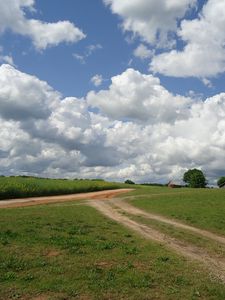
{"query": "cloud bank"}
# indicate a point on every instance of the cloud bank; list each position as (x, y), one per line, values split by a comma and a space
(135, 129)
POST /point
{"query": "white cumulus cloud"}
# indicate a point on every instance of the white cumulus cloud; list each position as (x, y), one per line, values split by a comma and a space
(97, 80)
(42, 34)
(143, 52)
(149, 19)
(204, 53)
(139, 97)
(165, 25)
(141, 131)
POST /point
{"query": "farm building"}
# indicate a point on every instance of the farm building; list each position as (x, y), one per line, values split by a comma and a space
(173, 185)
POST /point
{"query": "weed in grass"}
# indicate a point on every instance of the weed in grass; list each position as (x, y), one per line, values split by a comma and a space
(28, 277)
(138, 282)
(128, 235)
(13, 263)
(8, 276)
(131, 250)
(7, 236)
(106, 245)
(163, 259)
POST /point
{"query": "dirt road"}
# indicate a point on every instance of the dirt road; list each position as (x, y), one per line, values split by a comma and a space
(62, 198)
(116, 208)
(126, 207)
(215, 265)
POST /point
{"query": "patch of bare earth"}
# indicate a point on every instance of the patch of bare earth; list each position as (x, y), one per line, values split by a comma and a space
(41, 297)
(63, 198)
(215, 266)
(104, 264)
(50, 296)
(56, 296)
(52, 253)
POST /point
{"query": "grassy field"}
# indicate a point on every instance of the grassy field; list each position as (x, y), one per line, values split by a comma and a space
(19, 187)
(203, 208)
(70, 251)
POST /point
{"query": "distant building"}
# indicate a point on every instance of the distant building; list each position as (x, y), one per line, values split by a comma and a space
(173, 185)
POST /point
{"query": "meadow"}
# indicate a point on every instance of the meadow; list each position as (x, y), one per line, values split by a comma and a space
(203, 208)
(19, 187)
(70, 251)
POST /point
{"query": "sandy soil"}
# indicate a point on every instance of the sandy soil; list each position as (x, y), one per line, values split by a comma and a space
(62, 198)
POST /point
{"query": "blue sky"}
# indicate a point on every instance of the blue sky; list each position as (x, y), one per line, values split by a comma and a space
(136, 72)
(102, 28)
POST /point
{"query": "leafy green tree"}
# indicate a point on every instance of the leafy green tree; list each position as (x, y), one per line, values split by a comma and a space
(128, 181)
(195, 178)
(221, 181)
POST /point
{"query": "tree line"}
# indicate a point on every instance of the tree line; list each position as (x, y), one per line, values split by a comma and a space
(193, 178)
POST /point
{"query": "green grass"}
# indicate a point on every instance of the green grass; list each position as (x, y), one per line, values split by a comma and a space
(211, 247)
(203, 208)
(19, 187)
(73, 252)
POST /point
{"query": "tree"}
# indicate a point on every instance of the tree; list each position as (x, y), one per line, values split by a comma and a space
(221, 181)
(128, 181)
(195, 178)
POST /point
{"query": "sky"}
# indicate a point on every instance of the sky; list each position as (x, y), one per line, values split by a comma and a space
(112, 89)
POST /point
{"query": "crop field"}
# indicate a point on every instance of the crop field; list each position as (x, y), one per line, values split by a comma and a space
(19, 187)
(115, 248)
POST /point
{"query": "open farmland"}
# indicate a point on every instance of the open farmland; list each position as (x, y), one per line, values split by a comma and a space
(204, 208)
(73, 252)
(21, 187)
(103, 248)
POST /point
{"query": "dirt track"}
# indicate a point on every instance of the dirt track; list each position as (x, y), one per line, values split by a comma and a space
(116, 208)
(215, 265)
(138, 212)
(62, 198)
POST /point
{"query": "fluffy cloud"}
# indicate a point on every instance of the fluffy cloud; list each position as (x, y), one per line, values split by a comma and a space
(43, 133)
(97, 80)
(137, 97)
(43, 35)
(151, 20)
(164, 23)
(143, 52)
(23, 96)
(204, 53)
(6, 58)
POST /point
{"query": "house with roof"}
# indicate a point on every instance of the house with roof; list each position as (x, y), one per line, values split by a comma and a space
(173, 185)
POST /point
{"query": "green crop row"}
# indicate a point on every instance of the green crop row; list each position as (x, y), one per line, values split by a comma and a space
(19, 187)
